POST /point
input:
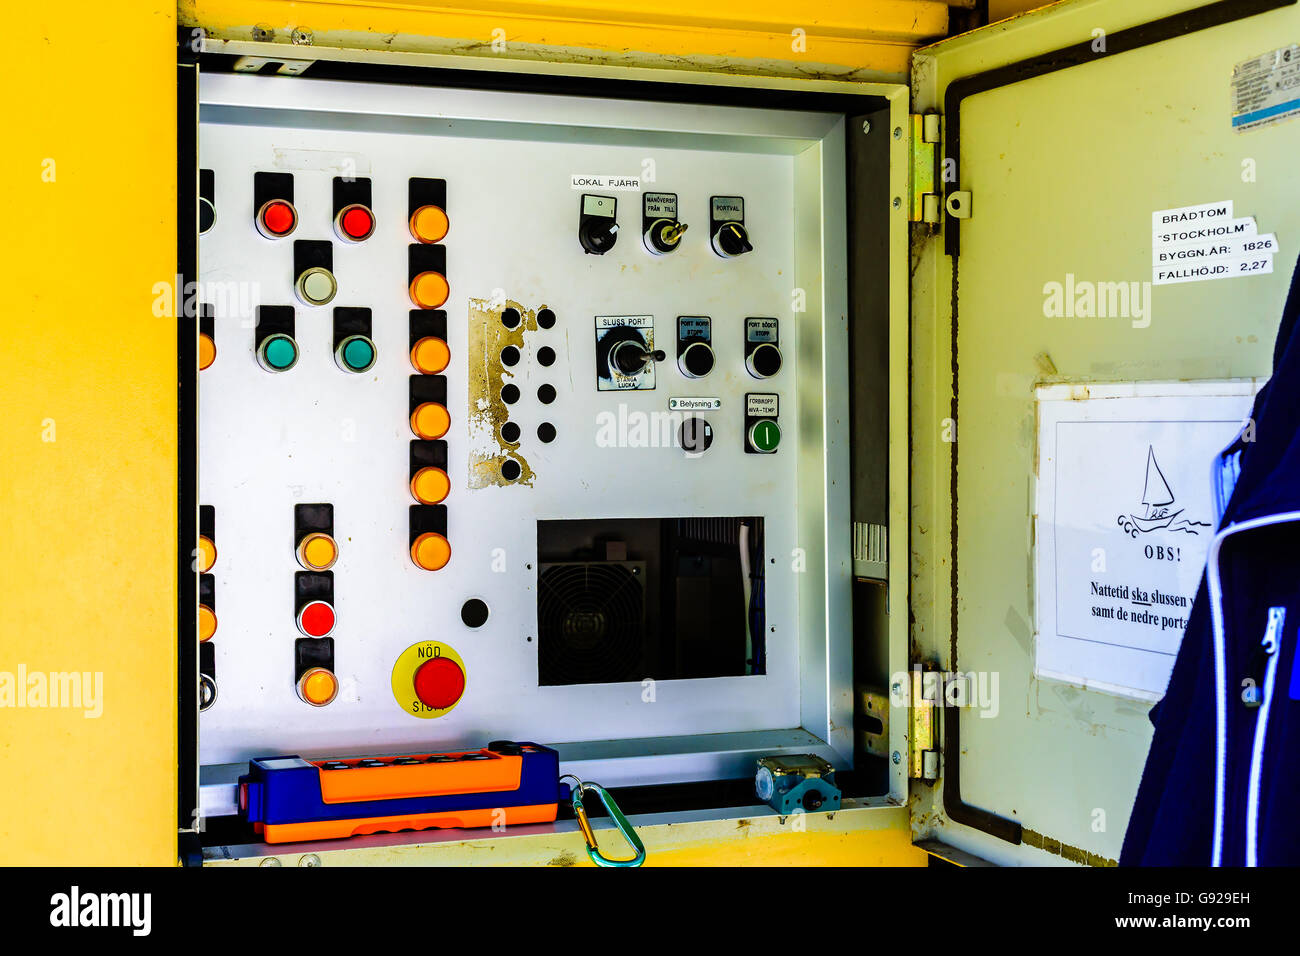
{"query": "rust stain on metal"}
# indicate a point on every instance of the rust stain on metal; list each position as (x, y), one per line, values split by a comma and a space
(487, 412)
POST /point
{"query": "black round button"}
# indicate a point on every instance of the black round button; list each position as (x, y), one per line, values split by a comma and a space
(695, 436)
(764, 361)
(474, 613)
(697, 360)
(207, 215)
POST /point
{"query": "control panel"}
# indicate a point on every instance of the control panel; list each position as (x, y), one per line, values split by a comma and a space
(505, 434)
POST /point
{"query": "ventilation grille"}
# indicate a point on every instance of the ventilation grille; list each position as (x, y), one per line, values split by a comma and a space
(591, 622)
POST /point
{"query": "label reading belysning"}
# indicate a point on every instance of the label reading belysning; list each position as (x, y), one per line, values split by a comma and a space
(1197, 243)
(1266, 89)
(694, 404)
(624, 183)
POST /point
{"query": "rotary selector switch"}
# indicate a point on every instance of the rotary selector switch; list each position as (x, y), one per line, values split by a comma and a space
(661, 232)
(727, 232)
(625, 352)
(598, 224)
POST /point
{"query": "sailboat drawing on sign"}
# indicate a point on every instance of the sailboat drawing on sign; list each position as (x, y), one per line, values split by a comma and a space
(1159, 505)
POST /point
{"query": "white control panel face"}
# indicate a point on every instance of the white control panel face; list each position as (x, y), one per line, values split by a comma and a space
(603, 554)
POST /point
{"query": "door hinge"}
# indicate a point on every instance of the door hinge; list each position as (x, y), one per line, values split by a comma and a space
(923, 714)
(924, 180)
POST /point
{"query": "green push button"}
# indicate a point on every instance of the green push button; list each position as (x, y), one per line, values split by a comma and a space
(356, 353)
(764, 436)
(277, 353)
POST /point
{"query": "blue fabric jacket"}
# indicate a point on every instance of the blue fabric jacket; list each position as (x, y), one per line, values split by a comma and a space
(1222, 781)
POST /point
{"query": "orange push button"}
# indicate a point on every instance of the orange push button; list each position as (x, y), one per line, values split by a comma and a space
(430, 420)
(431, 551)
(429, 224)
(429, 290)
(317, 552)
(430, 355)
(207, 622)
(439, 683)
(207, 351)
(318, 686)
(430, 486)
(207, 554)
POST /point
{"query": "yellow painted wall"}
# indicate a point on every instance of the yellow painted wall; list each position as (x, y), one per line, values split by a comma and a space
(87, 432)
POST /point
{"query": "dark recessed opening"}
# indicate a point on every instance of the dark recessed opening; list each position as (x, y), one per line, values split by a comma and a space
(474, 613)
(509, 355)
(510, 318)
(546, 394)
(510, 432)
(510, 394)
(546, 355)
(546, 432)
(510, 470)
(545, 319)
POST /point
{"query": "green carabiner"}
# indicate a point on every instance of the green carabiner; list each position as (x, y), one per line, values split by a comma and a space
(620, 821)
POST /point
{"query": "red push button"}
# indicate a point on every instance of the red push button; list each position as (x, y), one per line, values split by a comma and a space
(276, 218)
(316, 619)
(439, 683)
(354, 223)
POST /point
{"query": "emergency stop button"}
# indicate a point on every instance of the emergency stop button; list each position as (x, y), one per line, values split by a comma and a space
(439, 683)
(428, 679)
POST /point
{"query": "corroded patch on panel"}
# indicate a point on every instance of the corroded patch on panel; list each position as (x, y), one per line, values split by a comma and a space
(487, 412)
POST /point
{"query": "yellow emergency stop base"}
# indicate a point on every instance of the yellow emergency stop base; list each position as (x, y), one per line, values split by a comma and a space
(404, 670)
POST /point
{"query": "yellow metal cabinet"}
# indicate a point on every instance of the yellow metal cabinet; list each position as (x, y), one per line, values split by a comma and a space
(1052, 160)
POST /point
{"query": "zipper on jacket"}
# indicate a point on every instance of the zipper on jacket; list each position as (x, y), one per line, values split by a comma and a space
(1270, 645)
(1215, 587)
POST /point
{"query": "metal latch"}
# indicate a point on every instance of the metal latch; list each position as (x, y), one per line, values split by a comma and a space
(924, 197)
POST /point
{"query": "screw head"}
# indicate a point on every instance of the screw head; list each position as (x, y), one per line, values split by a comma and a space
(898, 132)
(866, 126)
(302, 37)
(271, 861)
(896, 757)
(898, 203)
(311, 859)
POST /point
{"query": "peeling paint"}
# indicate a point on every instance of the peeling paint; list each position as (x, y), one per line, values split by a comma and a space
(487, 410)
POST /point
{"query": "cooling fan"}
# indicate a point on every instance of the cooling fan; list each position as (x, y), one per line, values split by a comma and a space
(591, 622)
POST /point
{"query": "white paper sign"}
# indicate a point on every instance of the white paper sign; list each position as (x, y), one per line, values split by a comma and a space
(1124, 517)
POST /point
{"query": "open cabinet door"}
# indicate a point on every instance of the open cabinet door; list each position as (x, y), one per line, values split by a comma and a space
(1075, 369)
